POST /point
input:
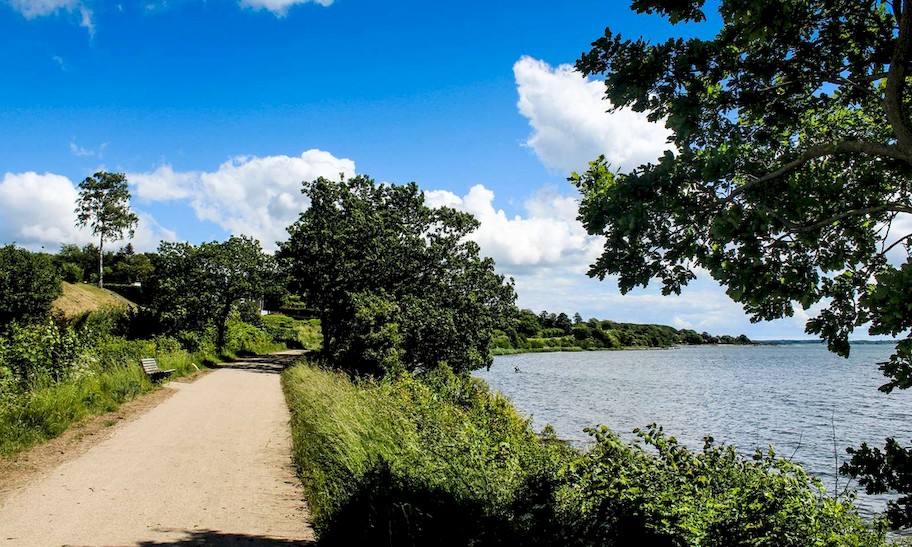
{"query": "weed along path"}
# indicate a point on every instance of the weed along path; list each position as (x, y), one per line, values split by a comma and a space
(209, 465)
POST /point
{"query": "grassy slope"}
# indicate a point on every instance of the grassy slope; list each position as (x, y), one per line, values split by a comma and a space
(80, 298)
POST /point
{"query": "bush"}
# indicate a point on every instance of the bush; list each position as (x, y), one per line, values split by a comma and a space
(245, 339)
(40, 352)
(29, 283)
(295, 333)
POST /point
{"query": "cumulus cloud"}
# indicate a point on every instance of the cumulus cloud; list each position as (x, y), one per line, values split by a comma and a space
(259, 197)
(31, 9)
(37, 210)
(549, 234)
(570, 126)
(280, 7)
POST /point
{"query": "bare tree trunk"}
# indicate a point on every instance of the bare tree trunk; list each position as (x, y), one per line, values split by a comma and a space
(101, 262)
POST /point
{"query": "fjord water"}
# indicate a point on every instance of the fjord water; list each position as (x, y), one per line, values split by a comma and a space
(796, 398)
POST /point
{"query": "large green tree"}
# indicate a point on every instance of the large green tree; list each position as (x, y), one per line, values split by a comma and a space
(29, 284)
(104, 205)
(788, 171)
(395, 283)
(191, 287)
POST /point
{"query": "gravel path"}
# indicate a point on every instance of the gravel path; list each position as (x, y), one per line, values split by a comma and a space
(209, 465)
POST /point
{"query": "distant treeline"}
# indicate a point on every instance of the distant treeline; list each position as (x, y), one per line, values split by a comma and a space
(559, 332)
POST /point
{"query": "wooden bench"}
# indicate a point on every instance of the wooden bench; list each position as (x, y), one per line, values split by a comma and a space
(150, 366)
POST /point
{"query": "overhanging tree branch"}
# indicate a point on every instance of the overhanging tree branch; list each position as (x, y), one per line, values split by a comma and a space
(896, 82)
(824, 150)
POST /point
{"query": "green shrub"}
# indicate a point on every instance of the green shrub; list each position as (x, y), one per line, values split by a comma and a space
(660, 493)
(29, 283)
(245, 339)
(40, 352)
(295, 333)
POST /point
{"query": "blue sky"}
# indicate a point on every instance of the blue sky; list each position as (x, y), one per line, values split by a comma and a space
(218, 109)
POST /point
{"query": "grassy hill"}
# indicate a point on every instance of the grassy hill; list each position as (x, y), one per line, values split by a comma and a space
(80, 298)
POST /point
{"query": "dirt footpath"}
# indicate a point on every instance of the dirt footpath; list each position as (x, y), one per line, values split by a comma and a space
(209, 465)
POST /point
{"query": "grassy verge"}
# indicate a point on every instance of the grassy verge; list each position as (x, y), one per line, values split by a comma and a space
(108, 375)
(53, 375)
(442, 461)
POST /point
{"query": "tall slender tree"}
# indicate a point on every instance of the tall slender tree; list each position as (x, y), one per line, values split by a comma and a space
(104, 204)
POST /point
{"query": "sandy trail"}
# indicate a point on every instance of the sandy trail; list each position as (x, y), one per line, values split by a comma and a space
(210, 465)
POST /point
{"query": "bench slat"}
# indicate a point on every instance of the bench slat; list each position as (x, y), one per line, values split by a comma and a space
(150, 367)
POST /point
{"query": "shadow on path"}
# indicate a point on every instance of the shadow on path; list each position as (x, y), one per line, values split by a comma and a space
(269, 364)
(213, 537)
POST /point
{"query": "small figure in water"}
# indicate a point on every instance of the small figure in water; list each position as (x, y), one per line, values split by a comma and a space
(516, 369)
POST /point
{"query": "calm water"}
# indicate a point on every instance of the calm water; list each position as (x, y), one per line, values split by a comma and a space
(791, 397)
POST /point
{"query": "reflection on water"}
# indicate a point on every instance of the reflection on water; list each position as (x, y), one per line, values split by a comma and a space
(800, 399)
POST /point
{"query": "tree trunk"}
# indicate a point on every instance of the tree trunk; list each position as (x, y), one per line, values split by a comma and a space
(101, 262)
(221, 328)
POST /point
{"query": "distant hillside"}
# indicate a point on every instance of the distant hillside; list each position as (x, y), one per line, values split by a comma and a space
(80, 298)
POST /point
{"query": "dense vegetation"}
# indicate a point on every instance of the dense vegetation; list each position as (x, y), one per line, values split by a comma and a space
(437, 459)
(57, 368)
(545, 331)
(787, 174)
(397, 445)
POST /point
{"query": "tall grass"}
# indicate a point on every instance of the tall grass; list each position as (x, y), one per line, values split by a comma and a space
(439, 460)
(38, 415)
(404, 463)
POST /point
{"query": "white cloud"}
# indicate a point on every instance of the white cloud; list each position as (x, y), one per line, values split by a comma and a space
(37, 210)
(163, 184)
(280, 7)
(570, 126)
(259, 197)
(31, 9)
(548, 235)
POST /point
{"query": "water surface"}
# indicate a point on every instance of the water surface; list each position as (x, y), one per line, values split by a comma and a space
(804, 401)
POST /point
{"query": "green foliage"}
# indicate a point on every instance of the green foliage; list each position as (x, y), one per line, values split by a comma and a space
(881, 472)
(404, 462)
(41, 351)
(295, 333)
(791, 161)
(29, 283)
(192, 286)
(411, 461)
(392, 279)
(104, 205)
(245, 339)
(53, 373)
(549, 332)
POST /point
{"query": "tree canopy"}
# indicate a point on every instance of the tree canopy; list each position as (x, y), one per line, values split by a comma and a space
(787, 175)
(104, 205)
(395, 283)
(192, 286)
(29, 284)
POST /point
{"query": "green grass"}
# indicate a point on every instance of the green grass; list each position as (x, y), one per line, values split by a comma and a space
(32, 417)
(441, 460)
(401, 462)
